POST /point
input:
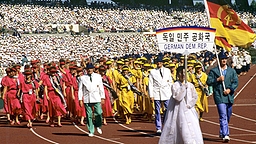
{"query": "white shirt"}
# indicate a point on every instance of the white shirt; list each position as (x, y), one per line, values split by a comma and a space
(91, 91)
(160, 87)
(248, 59)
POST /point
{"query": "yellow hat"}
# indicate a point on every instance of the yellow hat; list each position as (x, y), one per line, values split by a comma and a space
(182, 57)
(198, 65)
(192, 56)
(126, 60)
(192, 61)
(120, 62)
(147, 65)
(108, 62)
(190, 65)
(167, 66)
(143, 58)
(172, 65)
(166, 59)
(136, 62)
(125, 68)
(140, 62)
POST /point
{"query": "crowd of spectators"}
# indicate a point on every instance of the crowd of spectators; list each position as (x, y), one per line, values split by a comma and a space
(53, 47)
(38, 19)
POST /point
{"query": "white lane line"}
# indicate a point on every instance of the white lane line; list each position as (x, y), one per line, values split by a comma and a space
(245, 86)
(50, 141)
(117, 142)
(131, 129)
(236, 128)
(236, 105)
(245, 118)
(237, 135)
(3, 117)
(232, 139)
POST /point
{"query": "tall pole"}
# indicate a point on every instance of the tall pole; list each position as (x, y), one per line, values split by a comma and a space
(215, 49)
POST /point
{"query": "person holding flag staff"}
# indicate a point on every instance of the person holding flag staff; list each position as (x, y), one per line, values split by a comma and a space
(223, 97)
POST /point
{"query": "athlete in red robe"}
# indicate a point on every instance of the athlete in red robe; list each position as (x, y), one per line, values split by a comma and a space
(106, 107)
(55, 103)
(11, 96)
(4, 84)
(79, 111)
(29, 89)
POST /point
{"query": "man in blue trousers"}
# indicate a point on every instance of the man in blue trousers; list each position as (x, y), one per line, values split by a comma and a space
(160, 82)
(224, 98)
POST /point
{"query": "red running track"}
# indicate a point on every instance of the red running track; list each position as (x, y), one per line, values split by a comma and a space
(242, 125)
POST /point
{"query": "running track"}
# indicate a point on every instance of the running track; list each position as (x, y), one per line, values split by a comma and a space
(242, 125)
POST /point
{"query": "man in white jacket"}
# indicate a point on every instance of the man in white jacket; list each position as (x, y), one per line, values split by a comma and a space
(160, 82)
(91, 94)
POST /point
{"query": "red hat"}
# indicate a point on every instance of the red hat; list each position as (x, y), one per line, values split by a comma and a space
(72, 66)
(67, 61)
(7, 69)
(102, 68)
(79, 69)
(53, 69)
(34, 66)
(28, 68)
(54, 64)
(17, 66)
(33, 62)
(13, 69)
(101, 60)
(72, 62)
(27, 72)
(62, 62)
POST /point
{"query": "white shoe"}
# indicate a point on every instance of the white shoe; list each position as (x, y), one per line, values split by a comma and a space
(226, 139)
(99, 130)
(90, 134)
(159, 131)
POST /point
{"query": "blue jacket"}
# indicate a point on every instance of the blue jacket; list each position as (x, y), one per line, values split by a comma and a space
(231, 82)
